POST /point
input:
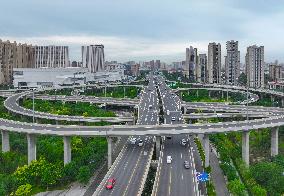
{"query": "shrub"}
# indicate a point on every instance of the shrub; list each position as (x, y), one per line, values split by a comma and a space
(236, 187)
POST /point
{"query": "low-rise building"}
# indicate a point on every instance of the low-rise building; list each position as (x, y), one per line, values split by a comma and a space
(50, 77)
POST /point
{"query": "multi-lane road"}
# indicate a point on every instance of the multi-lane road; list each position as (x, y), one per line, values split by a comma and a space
(173, 178)
(131, 166)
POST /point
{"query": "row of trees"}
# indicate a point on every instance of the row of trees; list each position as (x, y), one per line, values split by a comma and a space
(49, 172)
(262, 177)
(70, 108)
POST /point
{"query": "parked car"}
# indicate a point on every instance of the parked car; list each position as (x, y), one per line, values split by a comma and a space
(173, 118)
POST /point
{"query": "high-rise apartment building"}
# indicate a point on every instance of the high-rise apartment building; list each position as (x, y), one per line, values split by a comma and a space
(202, 65)
(275, 72)
(13, 55)
(214, 63)
(51, 56)
(190, 69)
(232, 63)
(93, 57)
(255, 66)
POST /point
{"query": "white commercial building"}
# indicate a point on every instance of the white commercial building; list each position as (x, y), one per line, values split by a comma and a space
(49, 77)
(232, 63)
(255, 66)
(93, 58)
(109, 76)
(214, 63)
(55, 77)
(51, 56)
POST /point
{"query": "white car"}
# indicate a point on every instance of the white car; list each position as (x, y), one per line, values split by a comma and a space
(173, 118)
(133, 140)
(183, 142)
(140, 143)
(169, 159)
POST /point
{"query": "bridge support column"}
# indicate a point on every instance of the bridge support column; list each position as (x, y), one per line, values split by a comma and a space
(31, 147)
(206, 149)
(5, 141)
(209, 93)
(282, 102)
(158, 147)
(184, 110)
(222, 94)
(67, 149)
(109, 152)
(274, 141)
(245, 147)
(197, 95)
(272, 98)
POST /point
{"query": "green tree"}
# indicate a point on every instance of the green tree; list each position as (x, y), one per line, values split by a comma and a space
(236, 187)
(242, 79)
(84, 174)
(70, 170)
(24, 190)
(270, 176)
(257, 190)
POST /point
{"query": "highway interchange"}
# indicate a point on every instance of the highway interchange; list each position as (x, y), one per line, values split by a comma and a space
(131, 166)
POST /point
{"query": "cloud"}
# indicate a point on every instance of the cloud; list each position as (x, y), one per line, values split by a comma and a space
(117, 48)
(136, 29)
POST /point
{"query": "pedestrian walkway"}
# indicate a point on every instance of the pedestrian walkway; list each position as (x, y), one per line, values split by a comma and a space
(217, 175)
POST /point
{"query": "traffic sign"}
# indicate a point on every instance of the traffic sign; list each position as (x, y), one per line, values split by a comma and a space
(202, 177)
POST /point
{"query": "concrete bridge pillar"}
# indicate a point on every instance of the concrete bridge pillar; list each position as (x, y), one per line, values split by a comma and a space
(197, 94)
(209, 93)
(222, 94)
(158, 147)
(272, 98)
(5, 141)
(274, 141)
(282, 102)
(184, 110)
(31, 147)
(227, 95)
(67, 149)
(206, 149)
(245, 147)
(109, 151)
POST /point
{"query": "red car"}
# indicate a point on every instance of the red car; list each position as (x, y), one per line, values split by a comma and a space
(110, 183)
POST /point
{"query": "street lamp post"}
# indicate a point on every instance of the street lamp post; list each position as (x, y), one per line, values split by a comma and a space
(33, 106)
(247, 99)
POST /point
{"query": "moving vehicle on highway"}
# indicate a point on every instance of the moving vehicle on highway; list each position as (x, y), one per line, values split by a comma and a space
(186, 165)
(183, 142)
(173, 118)
(169, 159)
(140, 143)
(133, 140)
(150, 106)
(110, 183)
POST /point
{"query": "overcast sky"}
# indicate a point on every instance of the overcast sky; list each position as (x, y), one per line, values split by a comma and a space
(145, 29)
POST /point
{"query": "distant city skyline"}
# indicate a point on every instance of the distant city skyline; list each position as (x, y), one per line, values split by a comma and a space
(145, 30)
